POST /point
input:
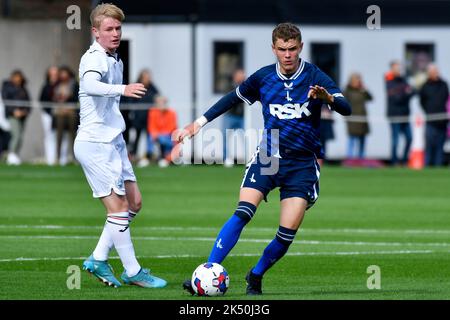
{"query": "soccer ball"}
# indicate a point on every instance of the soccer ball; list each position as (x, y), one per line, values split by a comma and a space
(210, 279)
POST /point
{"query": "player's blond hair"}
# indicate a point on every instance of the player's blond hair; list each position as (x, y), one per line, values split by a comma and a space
(105, 10)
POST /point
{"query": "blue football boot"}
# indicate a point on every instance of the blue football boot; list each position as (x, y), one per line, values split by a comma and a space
(102, 271)
(144, 279)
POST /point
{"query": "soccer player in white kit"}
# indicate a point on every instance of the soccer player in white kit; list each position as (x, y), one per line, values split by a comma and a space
(101, 150)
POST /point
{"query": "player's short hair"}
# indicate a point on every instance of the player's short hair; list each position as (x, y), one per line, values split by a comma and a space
(105, 10)
(286, 31)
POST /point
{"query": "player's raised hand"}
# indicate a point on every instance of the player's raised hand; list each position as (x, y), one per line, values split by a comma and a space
(187, 132)
(135, 90)
(318, 92)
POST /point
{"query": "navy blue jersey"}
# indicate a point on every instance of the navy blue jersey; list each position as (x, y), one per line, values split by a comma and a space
(286, 107)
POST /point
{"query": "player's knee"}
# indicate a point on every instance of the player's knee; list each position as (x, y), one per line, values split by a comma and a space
(136, 205)
(117, 207)
(245, 210)
(285, 235)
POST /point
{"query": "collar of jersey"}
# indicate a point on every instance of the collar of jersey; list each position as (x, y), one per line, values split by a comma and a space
(295, 75)
(97, 47)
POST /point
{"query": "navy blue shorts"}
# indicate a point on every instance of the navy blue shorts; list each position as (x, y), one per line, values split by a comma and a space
(296, 177)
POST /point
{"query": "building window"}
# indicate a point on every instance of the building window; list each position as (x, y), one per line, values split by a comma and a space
(327, 56)
(417, 58)
(228, 56)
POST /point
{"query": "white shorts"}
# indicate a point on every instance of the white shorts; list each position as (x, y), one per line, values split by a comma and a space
(105, 165)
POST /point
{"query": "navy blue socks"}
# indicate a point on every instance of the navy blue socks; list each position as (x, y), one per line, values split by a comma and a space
(231, 231)
(275, 250)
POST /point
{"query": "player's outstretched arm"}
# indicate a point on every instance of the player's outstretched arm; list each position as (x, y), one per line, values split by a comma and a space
(134, 90)
(336, 102)
(92, 85)
(220, 107)
(190, 130)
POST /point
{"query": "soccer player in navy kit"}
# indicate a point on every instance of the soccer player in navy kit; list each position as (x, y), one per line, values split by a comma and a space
(291, 92)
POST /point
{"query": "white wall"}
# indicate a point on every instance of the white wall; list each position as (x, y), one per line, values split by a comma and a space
(369, 52)
(166, 50)
(257, 53)
(32, 46)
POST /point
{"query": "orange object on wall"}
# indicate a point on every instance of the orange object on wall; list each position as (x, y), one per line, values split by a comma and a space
(161, 122)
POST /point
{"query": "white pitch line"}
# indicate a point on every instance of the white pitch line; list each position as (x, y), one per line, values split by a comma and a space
(250, 229)
(339, 253)
(207, 239)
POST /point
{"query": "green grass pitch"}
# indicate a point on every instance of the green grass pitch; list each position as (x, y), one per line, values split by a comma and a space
(396, 219)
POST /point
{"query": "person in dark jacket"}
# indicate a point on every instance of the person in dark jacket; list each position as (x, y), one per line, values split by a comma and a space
(48, 89)
(399, 94)
(66, 114)
(433, 98)
(326, 130)
(139, 116)
(232, 120)
(16, 112)
(4, 133)
(357, 96)
(47, 97)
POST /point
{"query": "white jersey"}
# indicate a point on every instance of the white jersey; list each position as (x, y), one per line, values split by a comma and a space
(100, 117)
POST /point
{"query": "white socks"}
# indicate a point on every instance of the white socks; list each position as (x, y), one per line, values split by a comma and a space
(117, 227)
(114, 224)
(104, 245)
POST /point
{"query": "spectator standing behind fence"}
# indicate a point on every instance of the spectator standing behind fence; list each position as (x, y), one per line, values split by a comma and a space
(47, 98)
(399, 94)
(14, 89)
(162, 121)
(448, 117)
(326, 130)
(140, 114)
(357, 95)
(233, 120)
(4, 132)
(66, 112)
(433, 98)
